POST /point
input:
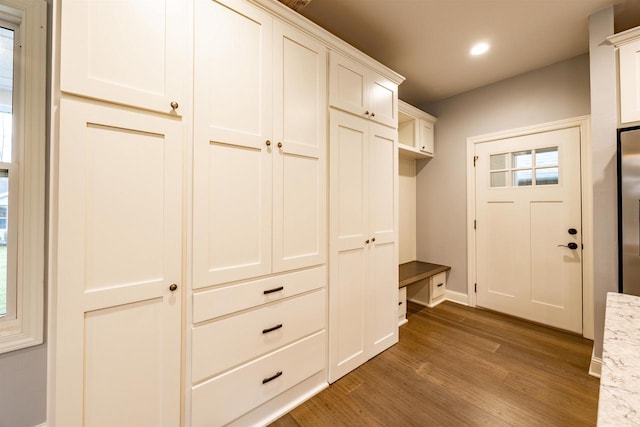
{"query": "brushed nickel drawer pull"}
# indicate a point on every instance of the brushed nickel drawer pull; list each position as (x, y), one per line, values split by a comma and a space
(270, 291)
(271, 329)
(266, 380)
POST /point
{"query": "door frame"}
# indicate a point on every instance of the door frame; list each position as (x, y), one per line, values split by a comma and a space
(586, 190)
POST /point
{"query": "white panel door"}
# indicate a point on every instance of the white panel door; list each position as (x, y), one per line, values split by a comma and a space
(130, 52)
(350, 240)
(528, 237)
(364, 257)
(383, 226)
(299, 154)
(233, 150)
(118, 268)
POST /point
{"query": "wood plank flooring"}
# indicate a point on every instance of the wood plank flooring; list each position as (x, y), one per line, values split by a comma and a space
(457, 366)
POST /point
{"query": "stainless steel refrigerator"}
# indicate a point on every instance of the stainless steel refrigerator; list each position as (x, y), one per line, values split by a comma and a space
(629, 210)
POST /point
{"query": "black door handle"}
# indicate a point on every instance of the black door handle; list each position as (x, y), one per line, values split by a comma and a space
(572, 231)
(571, 245)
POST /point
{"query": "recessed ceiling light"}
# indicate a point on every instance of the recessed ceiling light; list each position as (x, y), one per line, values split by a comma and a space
(479, 48)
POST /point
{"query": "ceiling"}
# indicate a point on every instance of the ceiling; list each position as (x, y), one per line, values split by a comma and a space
(428, 41)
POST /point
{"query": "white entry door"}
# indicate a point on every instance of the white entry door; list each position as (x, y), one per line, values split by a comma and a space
(528, 230)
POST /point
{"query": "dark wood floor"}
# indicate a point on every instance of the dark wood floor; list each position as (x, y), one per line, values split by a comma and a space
(460, 366)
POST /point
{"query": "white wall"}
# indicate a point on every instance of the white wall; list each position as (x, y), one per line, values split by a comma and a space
(407, 209)
(552, 93)
(604, 167)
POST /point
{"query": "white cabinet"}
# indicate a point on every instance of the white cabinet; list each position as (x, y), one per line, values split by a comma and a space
(259, 244)
(268, 349)
(360, 90)
(630, 82)
(259, 145)
(116, 220)
(363, 313)
(402, 306)
(118, 267)
(126, 52)
(415, 132)
(628, 45)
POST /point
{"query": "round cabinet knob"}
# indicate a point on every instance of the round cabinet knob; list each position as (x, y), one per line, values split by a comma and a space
(366, 113)
(173, 287)
(279, 144)
(268, 143)
(373, 240)
(366, 242)
(174, 105)
(373, 114)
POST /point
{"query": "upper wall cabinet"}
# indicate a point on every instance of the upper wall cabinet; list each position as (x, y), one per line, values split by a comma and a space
(259, 145)
(415, 132)
(628, 44)
(359, 90)
(125, 52)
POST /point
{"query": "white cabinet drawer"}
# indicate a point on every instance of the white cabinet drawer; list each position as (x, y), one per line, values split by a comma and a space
(229, 342)
(229, 299)
(402, 302)
(438, 285)
(228, 396)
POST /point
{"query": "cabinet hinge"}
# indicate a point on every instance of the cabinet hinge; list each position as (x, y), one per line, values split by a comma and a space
(475, 159)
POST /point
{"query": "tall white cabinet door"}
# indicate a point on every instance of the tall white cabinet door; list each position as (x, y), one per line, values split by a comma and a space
(130, 52)
(232, 168)
(350, 242)
(299, 154)
(383, 226)
(118, 268)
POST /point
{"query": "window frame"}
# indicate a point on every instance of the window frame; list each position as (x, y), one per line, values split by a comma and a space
(27, 177)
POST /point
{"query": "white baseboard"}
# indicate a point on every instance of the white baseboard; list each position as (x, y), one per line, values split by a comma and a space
(41, 425)
(457, 297)
(595, 368)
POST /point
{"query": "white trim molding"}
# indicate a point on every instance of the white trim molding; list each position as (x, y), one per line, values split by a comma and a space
(457, 297)
(595, 368)
(584, 124)
(26, 329)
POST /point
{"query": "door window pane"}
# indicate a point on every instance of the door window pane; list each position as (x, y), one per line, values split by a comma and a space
(498, 161)
(522, 178)
(522, 159)
(499, 179)
(546, 176)
(547, 157)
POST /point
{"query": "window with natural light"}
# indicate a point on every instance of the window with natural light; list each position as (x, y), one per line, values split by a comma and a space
(22, 172)
(7, 43)
(524, 168)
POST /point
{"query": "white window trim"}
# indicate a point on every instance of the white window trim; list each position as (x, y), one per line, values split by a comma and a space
(27, 328)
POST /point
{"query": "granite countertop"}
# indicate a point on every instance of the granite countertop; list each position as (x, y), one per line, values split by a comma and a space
(619, 401)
